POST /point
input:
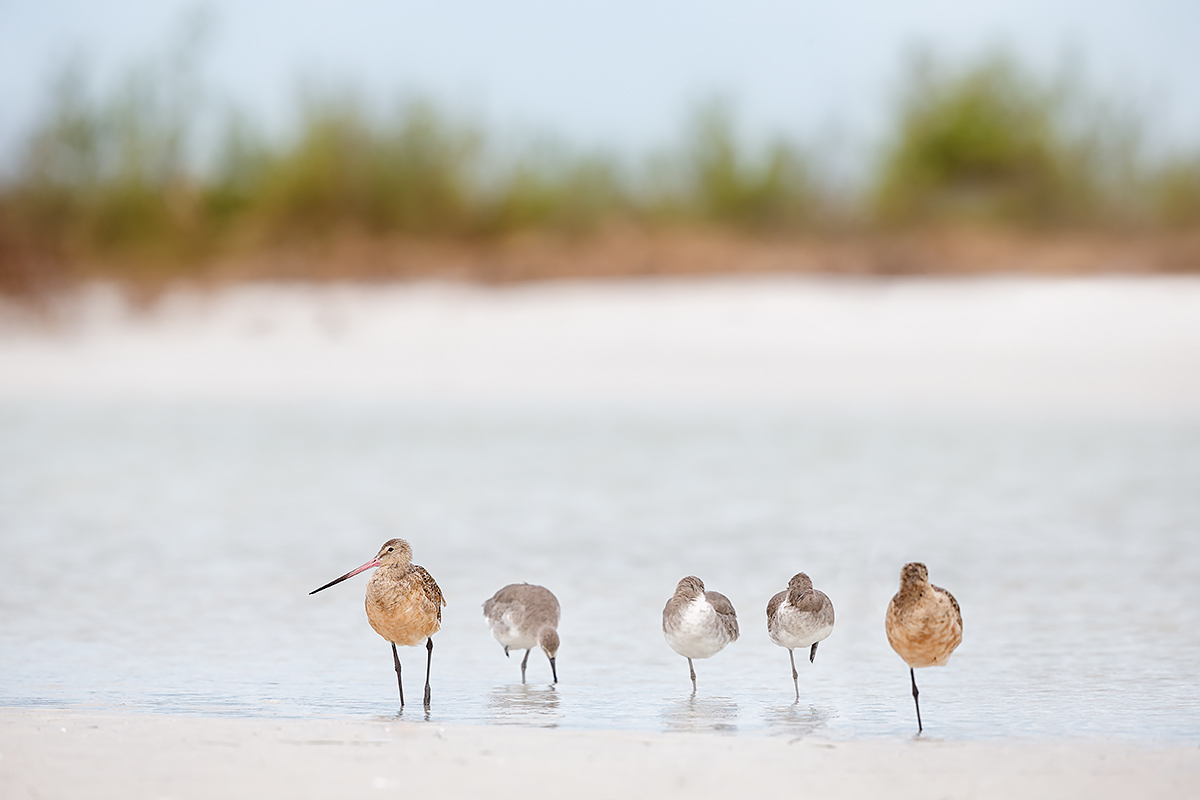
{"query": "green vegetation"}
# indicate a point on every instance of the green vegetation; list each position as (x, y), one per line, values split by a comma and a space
(118, 179)
(1175, 194)
(103, 178)
(990, 143)
(712, 179)
(413, 172)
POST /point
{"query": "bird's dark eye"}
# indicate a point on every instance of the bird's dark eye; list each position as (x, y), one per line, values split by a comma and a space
(390, 549)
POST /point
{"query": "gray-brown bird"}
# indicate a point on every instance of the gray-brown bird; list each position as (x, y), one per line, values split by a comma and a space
(525, 616)
(799, 616)
(923, 624)
(698, 624)
(404, 603)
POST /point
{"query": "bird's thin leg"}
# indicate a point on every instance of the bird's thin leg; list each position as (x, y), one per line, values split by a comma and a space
(692, 671)
(524, 661)
(399, 682)
(812, 654)
(428, 665)
(916, 702)
(795, 675)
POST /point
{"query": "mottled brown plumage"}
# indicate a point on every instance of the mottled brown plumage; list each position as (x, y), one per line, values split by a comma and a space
(923, 624)
(404, 603)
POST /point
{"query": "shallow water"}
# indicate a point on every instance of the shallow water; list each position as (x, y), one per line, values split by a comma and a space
(158, 555)
(174, 482)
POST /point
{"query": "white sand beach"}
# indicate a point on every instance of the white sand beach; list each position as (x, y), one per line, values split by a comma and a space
(1113, 345)
(79, 754)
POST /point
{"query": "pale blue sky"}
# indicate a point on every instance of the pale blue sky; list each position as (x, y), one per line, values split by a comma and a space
(618, 73)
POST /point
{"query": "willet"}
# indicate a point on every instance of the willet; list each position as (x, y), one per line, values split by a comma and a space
(525, 616)
(404, 603)
(799, 616)
(698, 624)
(923, 623)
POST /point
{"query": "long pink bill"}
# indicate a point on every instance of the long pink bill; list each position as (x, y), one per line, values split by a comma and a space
(374, 562)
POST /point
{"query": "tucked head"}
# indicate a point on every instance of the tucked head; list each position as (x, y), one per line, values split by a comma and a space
(800, 583)
(690, 586)
(914, 573)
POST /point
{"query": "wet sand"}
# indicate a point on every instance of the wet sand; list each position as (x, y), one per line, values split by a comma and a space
(80, 754)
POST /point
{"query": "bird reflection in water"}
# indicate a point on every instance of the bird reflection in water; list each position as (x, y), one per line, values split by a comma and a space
(795, 719)
(701, 714)
(524, 704)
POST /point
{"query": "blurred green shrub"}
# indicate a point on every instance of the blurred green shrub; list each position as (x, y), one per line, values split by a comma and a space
(992, 143)
(713, 177)
(724, 183)
(1175, 189)
(111, 175)
(413, 172)
(550, 187)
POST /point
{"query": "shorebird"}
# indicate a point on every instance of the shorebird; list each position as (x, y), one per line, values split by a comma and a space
(525, 616)
(404, 603)
(799, 616)
(698, 624)
(923, 623)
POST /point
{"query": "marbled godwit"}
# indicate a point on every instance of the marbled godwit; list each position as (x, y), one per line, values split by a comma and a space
(525, 616)
(404, 603)
(923, 623)
(698, 624)
(799, 616)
